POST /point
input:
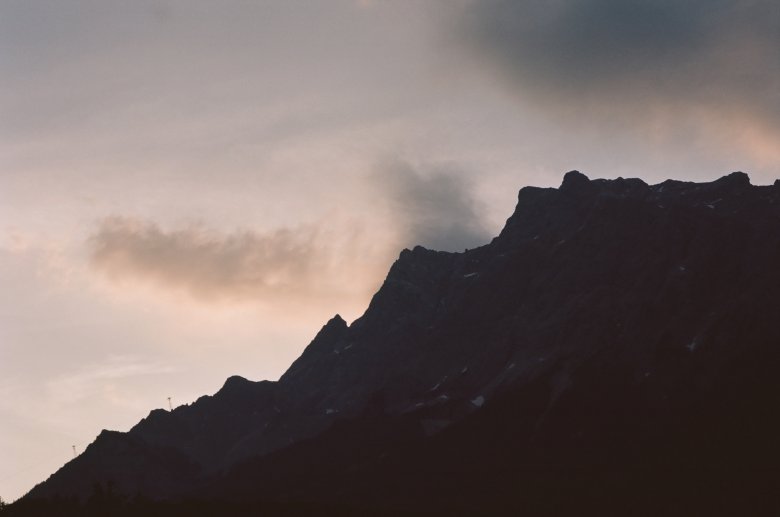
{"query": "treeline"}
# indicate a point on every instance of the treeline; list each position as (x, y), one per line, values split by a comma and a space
(105, 502)
(64, 507)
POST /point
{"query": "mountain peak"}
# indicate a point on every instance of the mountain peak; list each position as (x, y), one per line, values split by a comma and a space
(574, 180)
(234, 381)
(337, 321)
(322, 345)
(735, 179)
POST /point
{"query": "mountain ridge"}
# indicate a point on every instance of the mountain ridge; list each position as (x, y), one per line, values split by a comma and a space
(645, 285)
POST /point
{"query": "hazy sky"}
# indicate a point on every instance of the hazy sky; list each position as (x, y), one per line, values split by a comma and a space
(190, 189)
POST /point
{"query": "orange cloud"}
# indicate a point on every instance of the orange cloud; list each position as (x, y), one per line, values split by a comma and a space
(304, 263)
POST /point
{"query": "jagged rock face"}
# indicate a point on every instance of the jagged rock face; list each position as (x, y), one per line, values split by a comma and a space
(604, 315)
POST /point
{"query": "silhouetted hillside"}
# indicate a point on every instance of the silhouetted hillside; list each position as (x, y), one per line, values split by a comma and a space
(615, 349)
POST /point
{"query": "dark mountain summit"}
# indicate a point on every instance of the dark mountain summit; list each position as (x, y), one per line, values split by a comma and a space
(616, 347)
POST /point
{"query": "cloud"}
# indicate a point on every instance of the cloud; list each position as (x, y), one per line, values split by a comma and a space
(635, 60)
(304, 263)
(434, 207)
(335, 258)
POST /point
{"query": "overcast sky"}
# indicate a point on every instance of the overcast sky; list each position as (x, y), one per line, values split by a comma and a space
(190, 189)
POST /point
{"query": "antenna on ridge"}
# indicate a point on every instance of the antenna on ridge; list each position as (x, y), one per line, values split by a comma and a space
(170, 407)
(74, 451)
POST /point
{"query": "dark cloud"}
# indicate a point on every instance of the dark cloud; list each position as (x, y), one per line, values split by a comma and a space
(605, 54)
(307, 262)
(434, 208)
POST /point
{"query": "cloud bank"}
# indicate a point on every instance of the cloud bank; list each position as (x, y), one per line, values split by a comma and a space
(308, 261)
(636, 61)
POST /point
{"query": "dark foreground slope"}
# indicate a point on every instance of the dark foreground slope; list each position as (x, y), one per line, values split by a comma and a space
(616, 348)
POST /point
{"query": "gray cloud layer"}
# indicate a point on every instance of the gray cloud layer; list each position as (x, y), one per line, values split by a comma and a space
(714, 54)
(435, 208)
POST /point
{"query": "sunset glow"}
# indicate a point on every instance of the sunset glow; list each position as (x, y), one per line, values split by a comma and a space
(189, 190)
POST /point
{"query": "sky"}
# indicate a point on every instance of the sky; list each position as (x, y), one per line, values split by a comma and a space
(190, 189)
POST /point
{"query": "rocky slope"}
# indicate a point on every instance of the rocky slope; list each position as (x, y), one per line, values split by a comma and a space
(615, 336)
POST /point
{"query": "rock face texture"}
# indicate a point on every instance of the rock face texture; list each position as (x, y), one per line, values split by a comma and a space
(617, 344)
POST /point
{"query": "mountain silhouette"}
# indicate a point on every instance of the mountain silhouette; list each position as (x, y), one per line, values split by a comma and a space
(616, 348)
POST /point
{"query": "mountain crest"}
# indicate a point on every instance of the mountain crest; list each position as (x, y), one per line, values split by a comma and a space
(573, 181)
(611, 324)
